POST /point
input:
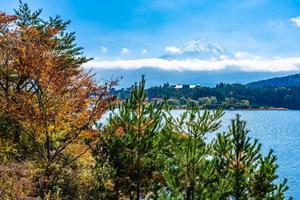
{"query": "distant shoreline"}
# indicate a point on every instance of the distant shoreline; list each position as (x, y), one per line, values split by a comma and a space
(249, 109)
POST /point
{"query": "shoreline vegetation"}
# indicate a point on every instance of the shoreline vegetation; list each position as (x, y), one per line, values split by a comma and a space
(216, 106)
(228, 96)
(237, 109)
(53, 148)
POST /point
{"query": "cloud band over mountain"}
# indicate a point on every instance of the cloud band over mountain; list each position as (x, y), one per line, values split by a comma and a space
(203, 55)
(261, 65)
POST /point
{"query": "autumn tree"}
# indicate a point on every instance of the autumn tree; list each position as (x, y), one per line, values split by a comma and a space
(50, 100)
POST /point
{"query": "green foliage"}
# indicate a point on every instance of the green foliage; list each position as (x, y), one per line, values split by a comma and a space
(243, 172)
(190, 171)
(129, 144)
(180, 158)
(229, 95)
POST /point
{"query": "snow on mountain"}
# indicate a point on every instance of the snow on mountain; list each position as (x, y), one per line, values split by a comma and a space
(201, 49)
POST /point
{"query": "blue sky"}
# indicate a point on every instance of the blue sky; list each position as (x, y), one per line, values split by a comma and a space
(143, 28)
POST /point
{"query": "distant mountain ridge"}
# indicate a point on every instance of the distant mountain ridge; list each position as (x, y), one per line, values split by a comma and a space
(285, 81)
(201, 49)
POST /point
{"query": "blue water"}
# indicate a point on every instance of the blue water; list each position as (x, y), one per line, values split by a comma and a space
(277, 130)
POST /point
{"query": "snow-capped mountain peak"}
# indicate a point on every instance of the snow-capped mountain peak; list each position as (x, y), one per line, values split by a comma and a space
(201, 49)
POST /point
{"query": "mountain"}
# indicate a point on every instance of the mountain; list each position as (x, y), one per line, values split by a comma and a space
(287, 81)
(201, 49)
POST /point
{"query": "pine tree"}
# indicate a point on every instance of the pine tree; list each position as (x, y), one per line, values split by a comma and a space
(128, 144)
(190, 172)
(243, 172)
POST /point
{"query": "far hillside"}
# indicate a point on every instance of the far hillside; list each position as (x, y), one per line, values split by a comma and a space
(285, 81)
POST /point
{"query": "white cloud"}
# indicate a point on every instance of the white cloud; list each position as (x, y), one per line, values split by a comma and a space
(296, 21)
(258, 64)
(144, 51)
(103, 49)
(172, 49)
(125, 51)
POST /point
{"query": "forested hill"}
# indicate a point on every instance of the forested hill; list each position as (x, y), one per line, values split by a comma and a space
(286, 81)
(232, 96)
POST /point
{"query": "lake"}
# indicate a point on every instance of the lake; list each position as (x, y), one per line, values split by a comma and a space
(277, 130)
